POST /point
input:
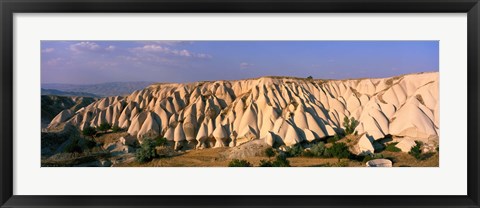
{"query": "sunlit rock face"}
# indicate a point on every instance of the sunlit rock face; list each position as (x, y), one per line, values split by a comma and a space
(279, 110)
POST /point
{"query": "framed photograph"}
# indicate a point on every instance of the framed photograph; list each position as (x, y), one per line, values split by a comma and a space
(265, 103)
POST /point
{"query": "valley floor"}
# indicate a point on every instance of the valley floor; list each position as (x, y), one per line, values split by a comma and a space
(102, 155)
(214, 158)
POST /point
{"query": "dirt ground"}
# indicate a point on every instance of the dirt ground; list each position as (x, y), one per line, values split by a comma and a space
(213, 157)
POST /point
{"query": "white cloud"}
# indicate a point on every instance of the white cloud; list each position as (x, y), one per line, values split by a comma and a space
(152, 48)
(155, 48)
(164, 42)
(245, 65)
(202, 55)
(54, 61)
(110, 48)
(84, 46)
(48, 50)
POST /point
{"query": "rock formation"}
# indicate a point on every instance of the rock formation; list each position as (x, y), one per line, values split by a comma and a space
(279, 110)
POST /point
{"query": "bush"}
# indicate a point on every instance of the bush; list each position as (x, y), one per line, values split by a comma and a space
(416, 150)
(294, 151)
(309, 77)
(89, 131)
(343, 163)
(318, 149)
(392, 148)
(269, 152)
(281, 161)
(338, 150)
(116, 129)
(160, 141)
(146, 152)
(265, 163)
(335, 138)
(372, 157)
(239, 163)
(332, 139)
(90, 143)
(308, 153)
(104, 127)
(350, 125)
(73, 147)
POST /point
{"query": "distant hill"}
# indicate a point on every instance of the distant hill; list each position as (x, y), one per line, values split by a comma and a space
(69, 94)
(102, 90)
(52, 105)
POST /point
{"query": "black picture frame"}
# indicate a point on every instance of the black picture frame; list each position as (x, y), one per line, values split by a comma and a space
(10, 7)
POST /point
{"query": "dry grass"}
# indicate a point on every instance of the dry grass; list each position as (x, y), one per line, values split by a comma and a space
(401, 159)
(213, 157)
(108, 138)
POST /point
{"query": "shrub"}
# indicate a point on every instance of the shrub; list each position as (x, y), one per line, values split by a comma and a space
(392, 148)
(89, 131)
(281, 161)
(116, 129)
(73, 147)
(327, 153)
(332, 139)
(372, 157)
(90, 143)
(335, 138)
(416, 150)
(239, 163)
(309, 77)
(104, 127)
(294, 151)
(318, 149)
(350, 125)
(269, 152)
(338, 150)
(343, 163)
(160, 141)
(146, 152)
(308, 153)
(265, 163)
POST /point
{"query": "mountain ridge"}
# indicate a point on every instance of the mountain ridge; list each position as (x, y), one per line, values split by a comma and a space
(101, 89)
(281, 111)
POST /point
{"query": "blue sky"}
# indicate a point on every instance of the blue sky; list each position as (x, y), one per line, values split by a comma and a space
(89, 62)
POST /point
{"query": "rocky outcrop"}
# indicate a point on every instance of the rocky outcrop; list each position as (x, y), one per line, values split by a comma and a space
(279, 111)
(406, 144)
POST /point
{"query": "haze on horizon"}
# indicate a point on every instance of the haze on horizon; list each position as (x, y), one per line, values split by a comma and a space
(92, 62)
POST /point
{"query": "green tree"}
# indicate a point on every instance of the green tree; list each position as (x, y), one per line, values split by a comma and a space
(265, 163)
(318, 149)
(392, 148)
(116, 129)
(239, 163)
(281, 161)
(146, 152)
(89, 131)
(350, 125)
(73, 146)
(416, 150)
(160, 141)
(104, 127)
(269, 152)
(294, 151)
(338, 150)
